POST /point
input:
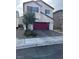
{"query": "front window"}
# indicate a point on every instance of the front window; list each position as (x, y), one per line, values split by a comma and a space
(32, 9)
(47, 12)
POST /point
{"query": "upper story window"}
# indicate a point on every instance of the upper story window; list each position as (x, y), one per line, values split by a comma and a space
(47, 12)
(32, 9)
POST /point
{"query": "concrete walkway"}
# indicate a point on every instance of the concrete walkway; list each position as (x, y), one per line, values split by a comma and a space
(33, 42)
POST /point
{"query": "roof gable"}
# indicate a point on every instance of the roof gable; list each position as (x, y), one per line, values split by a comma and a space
(47, 5)
(31, 1)
(58, 11)
(38, 3)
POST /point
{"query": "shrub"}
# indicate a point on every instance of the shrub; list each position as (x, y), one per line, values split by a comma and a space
(29, 33)
(58, 28)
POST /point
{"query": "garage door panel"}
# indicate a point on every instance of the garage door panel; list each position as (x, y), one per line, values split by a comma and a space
(41, 26)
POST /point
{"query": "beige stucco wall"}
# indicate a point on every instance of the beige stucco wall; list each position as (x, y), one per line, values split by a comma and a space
(41, 8)
(45, 7)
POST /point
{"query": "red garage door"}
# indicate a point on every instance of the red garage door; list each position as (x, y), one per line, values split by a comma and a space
(41, 26)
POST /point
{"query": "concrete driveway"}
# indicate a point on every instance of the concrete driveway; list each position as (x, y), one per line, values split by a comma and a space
(42, 52)
(40, 33)
(46, 33)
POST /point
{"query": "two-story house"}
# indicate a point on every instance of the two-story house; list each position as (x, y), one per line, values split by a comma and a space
(19, 22)
(43, 13)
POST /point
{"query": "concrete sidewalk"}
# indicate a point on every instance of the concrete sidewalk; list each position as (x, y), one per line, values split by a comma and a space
(33, 42)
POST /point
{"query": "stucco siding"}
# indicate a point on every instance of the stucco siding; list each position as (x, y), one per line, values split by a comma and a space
(41, 9)
(46, 7)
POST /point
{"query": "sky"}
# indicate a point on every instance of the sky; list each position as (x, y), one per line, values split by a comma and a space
(57, 4)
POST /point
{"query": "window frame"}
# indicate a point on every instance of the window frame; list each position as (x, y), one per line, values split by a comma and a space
(32, 9)
(47, 12)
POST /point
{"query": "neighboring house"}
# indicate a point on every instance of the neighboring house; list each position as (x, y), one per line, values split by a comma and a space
(17, 14)
(43, 13)
(58, 19)
(18, 20)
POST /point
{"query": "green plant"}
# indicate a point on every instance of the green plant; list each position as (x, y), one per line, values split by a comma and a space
(28, 18)
(56, 27)
(29, 33)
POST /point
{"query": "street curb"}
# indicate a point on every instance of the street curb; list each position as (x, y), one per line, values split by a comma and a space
(40, 42)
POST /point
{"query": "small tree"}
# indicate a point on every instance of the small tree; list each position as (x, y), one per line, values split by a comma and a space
(28, 18)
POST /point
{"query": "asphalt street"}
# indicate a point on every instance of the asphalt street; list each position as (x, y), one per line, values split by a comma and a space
(42, 52)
